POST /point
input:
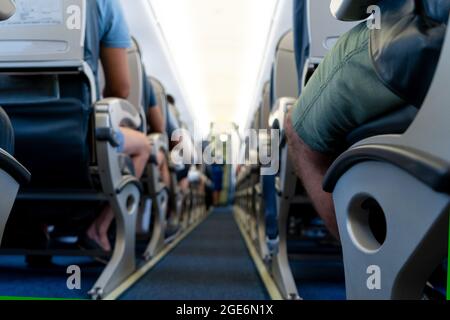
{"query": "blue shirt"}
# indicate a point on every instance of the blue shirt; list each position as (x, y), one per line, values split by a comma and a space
(105, 26)
(113, 27)
(172, 123)
(149, 92)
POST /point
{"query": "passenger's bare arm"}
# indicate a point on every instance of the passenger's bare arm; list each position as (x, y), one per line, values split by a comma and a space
(156, 120)
(117, 72)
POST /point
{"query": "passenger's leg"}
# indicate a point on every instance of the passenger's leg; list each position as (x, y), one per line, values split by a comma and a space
(311, 167)
(343, 93)
(137, 146)
(184, 184)
(164, 169)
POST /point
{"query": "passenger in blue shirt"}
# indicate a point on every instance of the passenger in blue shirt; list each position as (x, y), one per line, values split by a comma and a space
(154, 112)
(114, 38)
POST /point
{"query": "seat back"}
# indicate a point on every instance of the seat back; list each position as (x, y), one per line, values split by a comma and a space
(324, 31)
(51, 36)
(136, 96)
(256, 118)
(285, 71)
(7, 9)
(266, 107)
(161, 97)
(48, 90)
(137, 77)
(429, 130)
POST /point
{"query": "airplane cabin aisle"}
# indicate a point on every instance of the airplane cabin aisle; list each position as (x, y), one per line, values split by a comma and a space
(211, 263)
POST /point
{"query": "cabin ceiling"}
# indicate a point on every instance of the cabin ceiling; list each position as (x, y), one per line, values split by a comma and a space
(217, 49)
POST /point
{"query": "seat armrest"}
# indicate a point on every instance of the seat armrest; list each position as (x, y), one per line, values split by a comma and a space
(110, 115)
(279, 113)
(12, 167)
(351, 10)
(430, 170)
(159, 141)
(120, 113)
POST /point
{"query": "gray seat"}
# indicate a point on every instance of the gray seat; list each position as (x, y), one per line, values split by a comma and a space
(154, 190)
(137, 74)
(405, 178)
(60, 116)
(285, 86)
(285, 70)
(396, 122)
(324, 31)
(11, 172)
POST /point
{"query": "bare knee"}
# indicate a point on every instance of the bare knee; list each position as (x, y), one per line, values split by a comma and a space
(146, 147)
(302, 152)
(136, 143)
(296, 144)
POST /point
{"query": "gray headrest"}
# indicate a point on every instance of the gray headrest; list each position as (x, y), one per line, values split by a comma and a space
(7, 9)
(351, 10)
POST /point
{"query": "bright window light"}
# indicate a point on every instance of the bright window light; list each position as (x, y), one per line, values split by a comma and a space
(224, 138)
(217, 47)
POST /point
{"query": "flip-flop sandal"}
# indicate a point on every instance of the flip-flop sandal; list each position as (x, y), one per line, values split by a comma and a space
(87, 244)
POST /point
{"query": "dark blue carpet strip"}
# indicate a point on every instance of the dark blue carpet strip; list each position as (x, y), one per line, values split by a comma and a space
(212, 263)
(18, 280)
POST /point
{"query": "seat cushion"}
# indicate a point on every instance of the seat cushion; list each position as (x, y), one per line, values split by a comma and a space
(6, 133)
(396, 122)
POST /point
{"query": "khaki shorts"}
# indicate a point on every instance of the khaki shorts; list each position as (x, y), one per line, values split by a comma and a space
(343, 94)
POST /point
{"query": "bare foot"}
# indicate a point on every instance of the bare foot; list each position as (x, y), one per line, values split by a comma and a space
(95, 234)
(102, 232)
